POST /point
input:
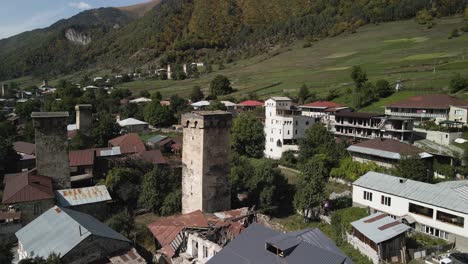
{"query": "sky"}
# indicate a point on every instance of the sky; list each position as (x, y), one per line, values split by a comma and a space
(17, 16)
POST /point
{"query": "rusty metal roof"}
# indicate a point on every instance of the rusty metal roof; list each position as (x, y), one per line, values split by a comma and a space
(24, 147)
(81, 157)
(80, 196)
(126, 257)
(128, 143)
(25, 187)
(151, 156)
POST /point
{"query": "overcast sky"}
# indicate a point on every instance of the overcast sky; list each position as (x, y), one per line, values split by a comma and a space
(17, 16)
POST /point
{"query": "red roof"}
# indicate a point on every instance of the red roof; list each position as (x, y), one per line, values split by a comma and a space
(165, 230)
(323, 104)
(81, 157)
(152, 156)
(390, 145)
(24, 147)
(27, 186)
(128, 143)
(429, 101)
(251, 103)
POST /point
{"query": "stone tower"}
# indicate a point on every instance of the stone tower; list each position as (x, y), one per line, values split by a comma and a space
(84, 118)
(205, 160)
(52, 147)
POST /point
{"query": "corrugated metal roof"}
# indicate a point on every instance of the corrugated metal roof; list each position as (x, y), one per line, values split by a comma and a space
(106, 152)
(25, 187)
(379, 227)
(131, 122)
(442, 196)
(249, 247)
(251, 103)
(429, 101)
(382, 153)
(128, 143)
(59, 230)
(156, 139)
(24, 147)
(80, 196)
(81, 157)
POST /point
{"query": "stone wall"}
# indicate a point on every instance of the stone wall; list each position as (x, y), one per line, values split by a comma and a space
(84, 118)
(31, 210)
(52, 147)
(94, 248)
(205, 158)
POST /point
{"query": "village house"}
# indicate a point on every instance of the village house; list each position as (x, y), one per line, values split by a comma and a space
(262, 245)
(459, 114)
(439, 210)
(27, 151)
(140, 100)
(386, 152)
(28, 193)
(76, 237)
(196, 237)
(90, 200)
(82, 165)
(324, 110)
(128, 143)
(249, 105)
(132, 125)
(380, 237)
(284, 126)
(155, 157)
(161, 142)
(360, 125)
(430, 106)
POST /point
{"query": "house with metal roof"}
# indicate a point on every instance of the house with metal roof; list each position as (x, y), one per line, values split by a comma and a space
(261, 245)
(75, 236)
(385, 152)
(132, 125)
(249, 105)
(28, 193)
(325, 110)
(439, 210)
(380, 237)
(128, 143)
(92, 200)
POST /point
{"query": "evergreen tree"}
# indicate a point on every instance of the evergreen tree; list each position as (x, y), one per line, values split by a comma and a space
(247, 136)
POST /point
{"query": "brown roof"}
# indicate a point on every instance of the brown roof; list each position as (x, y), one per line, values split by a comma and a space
(390, 145)
(27, 186)
(165, 230)
(357, 114)
(151, 156)
(429, 101)
(165, 141)
(81, 157)
(24, 147)
(128, 143)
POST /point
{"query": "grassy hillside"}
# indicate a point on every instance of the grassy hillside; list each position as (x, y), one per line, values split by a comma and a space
(398, 50)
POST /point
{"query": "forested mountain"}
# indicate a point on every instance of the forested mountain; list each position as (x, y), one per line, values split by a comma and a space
(178, 30)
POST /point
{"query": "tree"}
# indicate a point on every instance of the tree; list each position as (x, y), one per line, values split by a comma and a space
(247, 136)
(216, 105)
(156, 96)
(8, 156)
(220, 85)
(144, 93)
(124, 183)
(424, 17)
(458, 83)
(196, 94)
(158, 115)
(6, 255)
(414, 168)
(122, 222)
(51, 259)
(383, 88)
(310, 189)
(359, 76)
(104, 129)
(303, 94)
(25, 109)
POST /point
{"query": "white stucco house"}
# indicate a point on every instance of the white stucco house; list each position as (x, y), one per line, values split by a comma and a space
(439, 210)
(284, 126)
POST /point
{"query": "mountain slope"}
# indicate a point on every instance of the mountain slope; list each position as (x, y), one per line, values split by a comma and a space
(140, 10)
(180, 30)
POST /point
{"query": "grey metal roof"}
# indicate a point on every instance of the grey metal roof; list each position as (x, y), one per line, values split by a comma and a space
(80, 196)
(381, 229)
(382, 153)
(48, 114)
(156, 139)
(249, 247)
(59, 230)
(442, 195)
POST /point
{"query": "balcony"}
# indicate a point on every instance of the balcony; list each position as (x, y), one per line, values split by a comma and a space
(418, 115)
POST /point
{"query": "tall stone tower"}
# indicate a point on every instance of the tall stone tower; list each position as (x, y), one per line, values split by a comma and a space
(84, 118)
(52, 147)
(205, 160)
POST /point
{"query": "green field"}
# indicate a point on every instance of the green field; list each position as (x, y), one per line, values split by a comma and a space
(424, 59)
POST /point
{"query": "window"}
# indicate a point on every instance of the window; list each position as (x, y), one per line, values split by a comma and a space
(205, 252)
(421, 210)
(296, 131)
(367, 196)
(386, 200)
(458, 112)
(288, 132)
(37, 209)
(451, 219)
(434, 232)
(307, 123)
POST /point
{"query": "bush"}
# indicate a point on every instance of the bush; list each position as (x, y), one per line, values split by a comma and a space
(352, 170)
(424, 17)
(454, 33)
(457, 83)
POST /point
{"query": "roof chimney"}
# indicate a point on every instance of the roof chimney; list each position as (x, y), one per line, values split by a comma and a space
(403, 180)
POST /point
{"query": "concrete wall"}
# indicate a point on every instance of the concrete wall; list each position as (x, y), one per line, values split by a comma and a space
(441, 138)
(205, 161)
(52, 147)
(197, 246)
(400, 207)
